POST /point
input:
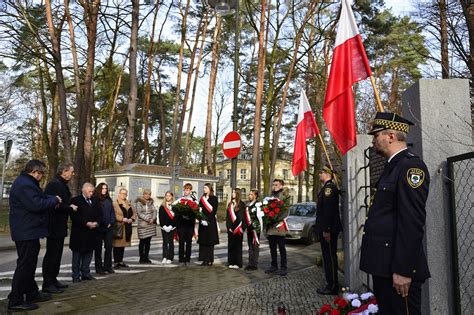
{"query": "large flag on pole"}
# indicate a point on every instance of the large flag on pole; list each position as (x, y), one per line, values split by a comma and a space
(306, 128)
(349, 65)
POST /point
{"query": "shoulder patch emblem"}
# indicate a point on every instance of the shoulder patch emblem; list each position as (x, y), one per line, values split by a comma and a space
(415, 177)
(328, 192)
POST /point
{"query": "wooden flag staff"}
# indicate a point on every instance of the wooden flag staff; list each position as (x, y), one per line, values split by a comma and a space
(378, 105)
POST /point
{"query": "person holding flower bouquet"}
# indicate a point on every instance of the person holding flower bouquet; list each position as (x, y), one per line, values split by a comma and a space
(185, 225)
(275, 214)
(208, 235)
(253, 219)
(235, 226)
(168, 227)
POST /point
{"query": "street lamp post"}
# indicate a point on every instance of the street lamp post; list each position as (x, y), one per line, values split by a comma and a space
(225, 7)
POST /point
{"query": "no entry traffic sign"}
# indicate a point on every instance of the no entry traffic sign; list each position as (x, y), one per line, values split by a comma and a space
(231, 144)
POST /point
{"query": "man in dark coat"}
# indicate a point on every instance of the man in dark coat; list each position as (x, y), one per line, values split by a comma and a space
(185, 227)
(57, 228)
(85, 221)
(328, 226)
(28, 223)
(392, 243)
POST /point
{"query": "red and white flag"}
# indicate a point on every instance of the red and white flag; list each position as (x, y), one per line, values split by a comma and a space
(306, 128)
(349, 65)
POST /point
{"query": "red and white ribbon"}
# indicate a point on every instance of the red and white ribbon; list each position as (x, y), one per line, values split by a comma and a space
(206, 204)
(169, 212)
(238, 229)
(233, 217)
(283, 226)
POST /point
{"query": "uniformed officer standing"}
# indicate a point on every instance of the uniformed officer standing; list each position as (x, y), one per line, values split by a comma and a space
(328, 226)
(392, 245)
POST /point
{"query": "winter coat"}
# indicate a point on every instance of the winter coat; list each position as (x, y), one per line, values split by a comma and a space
(108, 215)
(84, 239)
(28, 209)
(146, 211)
(208, 235)
(58, 216)
(119, 206)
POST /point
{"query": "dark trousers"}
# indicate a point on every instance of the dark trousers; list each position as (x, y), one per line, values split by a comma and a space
(329, 250)
(234, 255)
(390, 303)
(168, 244)
(118, 254)
(144, 248)
(185, 235)
(206, 253)
(81, 263)
(105, 239)
(24, 277)
(274, 241)
(52, 260)
(254, 250)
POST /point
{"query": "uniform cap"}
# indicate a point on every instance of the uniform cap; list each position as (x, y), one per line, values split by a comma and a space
(328, 170)
(392, 121)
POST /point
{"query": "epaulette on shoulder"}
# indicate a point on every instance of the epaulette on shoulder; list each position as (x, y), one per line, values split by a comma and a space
(410, 155)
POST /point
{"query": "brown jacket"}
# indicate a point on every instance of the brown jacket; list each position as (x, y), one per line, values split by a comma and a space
(119, 218)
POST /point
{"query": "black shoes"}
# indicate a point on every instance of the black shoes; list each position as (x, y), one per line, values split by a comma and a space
(111, 270)
(272, 269)
(250, 268)
(23, 307)
(60, 285)
(88, 277)
(283, 272)
(52, 289)
(39, 297)
(76, 280)
(328, 291)
(122, 264)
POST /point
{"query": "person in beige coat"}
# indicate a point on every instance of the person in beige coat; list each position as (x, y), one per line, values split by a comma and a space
(146, 227)
(125, 215)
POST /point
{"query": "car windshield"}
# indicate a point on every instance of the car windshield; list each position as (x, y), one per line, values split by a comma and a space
(303, 210)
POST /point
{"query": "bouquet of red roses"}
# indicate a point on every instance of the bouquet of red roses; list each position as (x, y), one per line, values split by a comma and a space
(274, 211)
(185, 207)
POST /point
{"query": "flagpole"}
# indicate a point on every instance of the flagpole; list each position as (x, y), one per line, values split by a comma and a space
(378, 105)
(327, 156)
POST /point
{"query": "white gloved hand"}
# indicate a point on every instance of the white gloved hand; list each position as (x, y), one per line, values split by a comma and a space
(204, 223)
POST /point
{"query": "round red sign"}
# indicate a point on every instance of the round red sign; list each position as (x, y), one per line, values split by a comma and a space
(231, 144)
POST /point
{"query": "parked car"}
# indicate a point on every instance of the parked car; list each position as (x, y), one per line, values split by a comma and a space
(301, 221)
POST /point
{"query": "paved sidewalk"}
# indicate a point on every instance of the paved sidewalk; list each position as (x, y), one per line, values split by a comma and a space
(197, 290)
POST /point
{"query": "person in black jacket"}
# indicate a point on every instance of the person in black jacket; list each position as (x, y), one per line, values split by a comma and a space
(83, 240)
(166, 217)
(28, 223)
(57, 228)
(104, 231)
(392, 243)
(208, 236)
(328, 226)
(235, 224)
(185, 227)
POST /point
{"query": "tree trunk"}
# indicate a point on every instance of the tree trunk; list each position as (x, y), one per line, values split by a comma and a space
(254, 171)
(132, 99)
(444, 39)
(210, 96)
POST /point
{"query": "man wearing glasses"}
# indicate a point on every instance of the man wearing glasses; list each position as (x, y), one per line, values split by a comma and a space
(28, 223)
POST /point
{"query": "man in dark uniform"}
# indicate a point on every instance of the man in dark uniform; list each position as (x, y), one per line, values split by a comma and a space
(57, 228)
(328, 226)
(392, 244)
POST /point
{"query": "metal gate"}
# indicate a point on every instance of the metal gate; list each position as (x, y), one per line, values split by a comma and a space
(461, 181)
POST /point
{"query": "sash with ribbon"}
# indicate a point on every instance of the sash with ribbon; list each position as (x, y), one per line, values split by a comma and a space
(233, 217)
(169, 212)
(249, 223)
(282, 226)
(206, 204)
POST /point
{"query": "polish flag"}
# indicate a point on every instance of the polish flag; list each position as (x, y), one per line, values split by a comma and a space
(306, 128)
(349, 65)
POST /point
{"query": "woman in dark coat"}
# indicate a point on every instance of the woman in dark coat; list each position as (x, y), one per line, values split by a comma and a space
(105, 230)
(208, 235)
(168, 227)
(235, 226)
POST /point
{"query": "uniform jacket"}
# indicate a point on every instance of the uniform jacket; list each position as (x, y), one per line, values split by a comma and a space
(146, 211)
(165, 218)
(83, 239)
(58, 216)
(119, 219)
(394, 229)
(28, 209)
(208, 235)
(328, 218)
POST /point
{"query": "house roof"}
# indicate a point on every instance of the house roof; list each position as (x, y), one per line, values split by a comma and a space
(136, 168)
